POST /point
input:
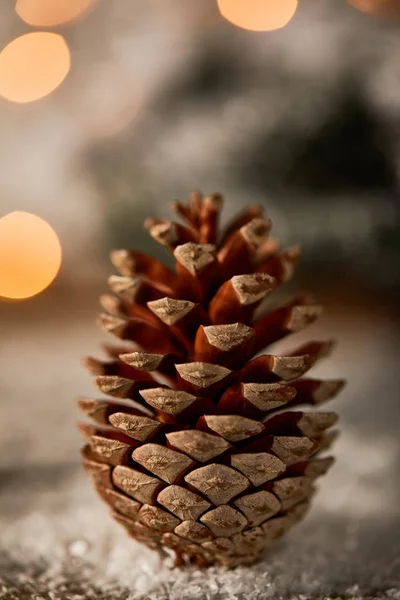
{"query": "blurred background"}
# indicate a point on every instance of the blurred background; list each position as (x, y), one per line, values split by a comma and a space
(109, 110)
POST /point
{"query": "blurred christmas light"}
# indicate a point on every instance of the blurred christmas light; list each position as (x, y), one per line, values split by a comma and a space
(47, 13)
(258, 15)
(382, 8)
(33, 65)
(30, 255)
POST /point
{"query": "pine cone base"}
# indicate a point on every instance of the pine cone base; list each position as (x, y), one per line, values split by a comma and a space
(197, 452)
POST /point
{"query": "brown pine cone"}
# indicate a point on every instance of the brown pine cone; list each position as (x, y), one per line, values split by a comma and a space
(197, 451)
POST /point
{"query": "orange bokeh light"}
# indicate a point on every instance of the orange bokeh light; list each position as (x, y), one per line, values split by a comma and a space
(30, 255)
(258, 15)
(385, 8)
(48, 13)
(33, 65)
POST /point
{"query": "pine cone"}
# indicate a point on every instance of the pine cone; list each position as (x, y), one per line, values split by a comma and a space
(197, 453)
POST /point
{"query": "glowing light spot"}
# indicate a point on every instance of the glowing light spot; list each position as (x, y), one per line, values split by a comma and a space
(258, 15)
(30, 255)
(33, 65)
(383, 8)
(47, 13)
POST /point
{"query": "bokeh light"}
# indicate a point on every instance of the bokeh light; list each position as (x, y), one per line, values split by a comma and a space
(30, 255)
(258, 15)
(115, 123)
(200, 14)
(33, 65)
(48, 13)
(383, 8)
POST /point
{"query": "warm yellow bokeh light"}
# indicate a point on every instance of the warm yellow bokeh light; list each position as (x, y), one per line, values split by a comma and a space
(33, 65)
(384, 8)
(258, 15)
(48, 13)
(30, 255)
